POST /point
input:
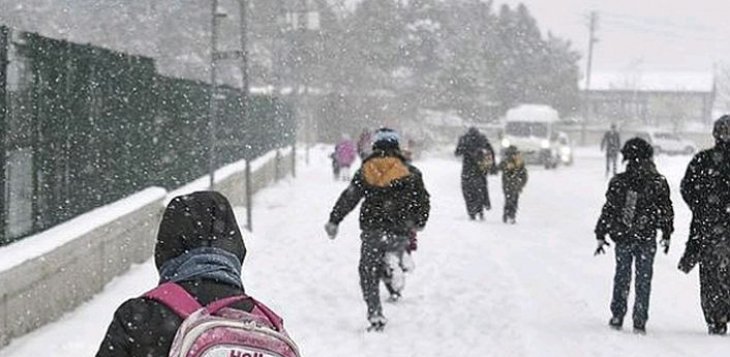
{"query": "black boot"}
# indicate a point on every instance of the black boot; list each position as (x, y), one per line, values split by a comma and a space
(719, 329)
(377, 323)
(616, 323)
(640, 327)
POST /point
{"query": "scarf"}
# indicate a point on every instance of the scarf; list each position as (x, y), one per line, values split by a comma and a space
(203, 263)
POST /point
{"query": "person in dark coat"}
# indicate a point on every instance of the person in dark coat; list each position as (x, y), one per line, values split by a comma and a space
(199, 247)
(514, 179)
(363, 143)
(706, 190)
(637, 205)
(611, 143)
(477, 162)
(395, 204)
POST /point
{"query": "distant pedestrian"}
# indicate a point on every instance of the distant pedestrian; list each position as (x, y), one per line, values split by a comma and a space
(514, 179)
(637, 205)
(477, 161)
(611, 143)
(364, 143)
(345, 154)
(706, 190)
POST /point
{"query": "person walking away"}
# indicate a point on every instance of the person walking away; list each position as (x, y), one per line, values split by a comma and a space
(706, 190)
(335, 165)
(514, 179)
(345, 154)
(364, 143)
(198, 253)
(637, 205)
(477, 161)
(395, 204)
(611, 143)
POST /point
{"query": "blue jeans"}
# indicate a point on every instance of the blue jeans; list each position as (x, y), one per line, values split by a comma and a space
(628, 253)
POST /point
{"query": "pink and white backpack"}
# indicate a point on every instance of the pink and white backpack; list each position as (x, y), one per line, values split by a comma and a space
(219, 331)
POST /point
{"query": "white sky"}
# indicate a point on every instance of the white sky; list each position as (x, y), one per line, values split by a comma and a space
(641, 35)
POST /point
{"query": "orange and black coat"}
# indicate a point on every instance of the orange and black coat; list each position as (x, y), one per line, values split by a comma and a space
(394, 196)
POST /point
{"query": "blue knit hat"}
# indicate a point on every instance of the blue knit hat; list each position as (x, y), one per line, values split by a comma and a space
(386, 138)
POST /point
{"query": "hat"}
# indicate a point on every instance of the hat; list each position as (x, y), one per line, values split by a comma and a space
(386, 138)
(637, 149)
(721, 130)
(511, 150)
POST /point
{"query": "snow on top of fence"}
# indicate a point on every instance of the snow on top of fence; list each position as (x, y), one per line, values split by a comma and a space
(48, 240)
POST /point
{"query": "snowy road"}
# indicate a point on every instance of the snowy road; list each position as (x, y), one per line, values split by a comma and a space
(480, 288)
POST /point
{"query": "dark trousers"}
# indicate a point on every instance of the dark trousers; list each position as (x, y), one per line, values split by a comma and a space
(642, 255)
(476, 193)
(372, 268)
(511, 203)
(611, 162)
(715, 288)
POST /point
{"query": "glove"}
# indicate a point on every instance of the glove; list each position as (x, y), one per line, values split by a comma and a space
(665, 244)
(685, 266)
(601, 243)
(412, 242)
(331, 230)
(687, 262)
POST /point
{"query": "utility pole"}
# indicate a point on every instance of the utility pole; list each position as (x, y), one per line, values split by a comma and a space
(243, 8)
(212, 110)
(592, 27)
(304, 73)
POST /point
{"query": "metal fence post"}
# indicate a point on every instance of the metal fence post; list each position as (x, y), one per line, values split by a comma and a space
(277, 166)
(3, 128)
(249, 196)
(294, 160)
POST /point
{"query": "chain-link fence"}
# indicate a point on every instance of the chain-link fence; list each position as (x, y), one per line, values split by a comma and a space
(82, 126)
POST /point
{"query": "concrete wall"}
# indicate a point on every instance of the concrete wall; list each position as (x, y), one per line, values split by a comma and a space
(41, 289)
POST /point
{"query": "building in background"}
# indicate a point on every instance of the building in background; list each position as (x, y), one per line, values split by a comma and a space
(679, 101)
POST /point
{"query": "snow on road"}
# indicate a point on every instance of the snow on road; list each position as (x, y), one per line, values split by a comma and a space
(480, 288)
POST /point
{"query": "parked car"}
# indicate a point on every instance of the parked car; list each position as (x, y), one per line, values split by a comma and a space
(665, 142)
(531, 128)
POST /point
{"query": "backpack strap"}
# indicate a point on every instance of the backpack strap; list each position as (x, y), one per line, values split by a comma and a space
(258, 309)
(176, 298)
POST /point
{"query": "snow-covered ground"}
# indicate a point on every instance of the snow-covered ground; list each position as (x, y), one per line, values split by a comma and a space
(480, 288)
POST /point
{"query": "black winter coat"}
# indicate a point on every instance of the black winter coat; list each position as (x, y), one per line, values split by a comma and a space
(395, 198)
(514, 174)
(637, 204)
(473, 147)
(706, 190)
(145, 328)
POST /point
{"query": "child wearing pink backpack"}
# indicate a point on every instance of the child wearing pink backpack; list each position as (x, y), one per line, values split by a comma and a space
(200, 308)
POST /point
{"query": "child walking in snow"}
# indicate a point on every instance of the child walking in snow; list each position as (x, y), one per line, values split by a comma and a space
(514, 179)
(637, 205)
(395, 204)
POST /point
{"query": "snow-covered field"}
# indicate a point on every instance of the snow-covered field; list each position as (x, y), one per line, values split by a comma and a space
(480, 288)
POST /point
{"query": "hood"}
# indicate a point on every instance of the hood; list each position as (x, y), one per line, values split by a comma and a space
(383, 170)
(199, 219)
